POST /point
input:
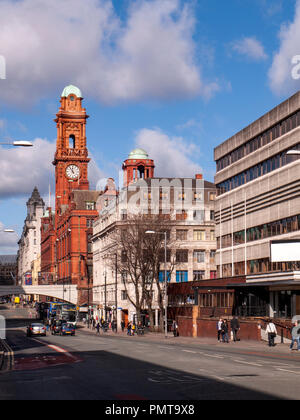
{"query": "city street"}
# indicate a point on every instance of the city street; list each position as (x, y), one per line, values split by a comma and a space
(142, 368)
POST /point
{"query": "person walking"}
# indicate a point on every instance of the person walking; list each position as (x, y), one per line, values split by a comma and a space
(295, 330)
(123, 325)
(272, 333)
(219, 329)
(235, 327)
(175, 328)
(129, 328)
(225, 338)
(133, 329)
(98, 328)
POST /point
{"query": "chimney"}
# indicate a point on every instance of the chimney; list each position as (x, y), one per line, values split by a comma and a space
(199, 176)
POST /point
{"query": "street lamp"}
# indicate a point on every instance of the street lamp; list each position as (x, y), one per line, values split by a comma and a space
(18, 143)
(149, 232)
(293, 152)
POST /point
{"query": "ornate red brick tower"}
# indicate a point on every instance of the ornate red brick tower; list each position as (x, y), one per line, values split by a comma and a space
(137, 166)
(71, 157)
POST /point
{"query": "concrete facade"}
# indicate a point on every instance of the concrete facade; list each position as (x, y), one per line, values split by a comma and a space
(258, 198)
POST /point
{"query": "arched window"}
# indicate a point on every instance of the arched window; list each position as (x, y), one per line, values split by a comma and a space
(72, 141)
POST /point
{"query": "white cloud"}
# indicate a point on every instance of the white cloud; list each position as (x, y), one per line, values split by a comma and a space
(48, 44)
(21, 169)
(280, 73)
(173, 156)
(250, 47)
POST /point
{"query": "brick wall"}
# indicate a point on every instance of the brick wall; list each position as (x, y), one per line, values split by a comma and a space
(208, 328)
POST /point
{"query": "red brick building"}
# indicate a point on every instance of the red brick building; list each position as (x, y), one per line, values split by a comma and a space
(65, 242)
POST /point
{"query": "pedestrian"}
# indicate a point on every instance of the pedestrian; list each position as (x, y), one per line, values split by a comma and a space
(129, 328)
(235, 327)
(295, 330)
(219, 329)
(175, 328)
(98, 328)
(133, 329)
(272, 333)
(225, 338)
(123, 325)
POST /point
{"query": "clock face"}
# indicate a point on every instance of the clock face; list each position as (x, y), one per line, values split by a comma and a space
(73, 172)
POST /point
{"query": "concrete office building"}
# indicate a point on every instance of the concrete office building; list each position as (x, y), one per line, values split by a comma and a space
(258, 202)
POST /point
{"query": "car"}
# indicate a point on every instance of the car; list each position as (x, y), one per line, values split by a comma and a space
(63, 327)
(36, 329)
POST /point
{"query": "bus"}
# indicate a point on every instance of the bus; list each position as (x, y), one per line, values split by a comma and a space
(67, 312)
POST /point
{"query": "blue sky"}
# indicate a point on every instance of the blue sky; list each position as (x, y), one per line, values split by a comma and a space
(174, 77)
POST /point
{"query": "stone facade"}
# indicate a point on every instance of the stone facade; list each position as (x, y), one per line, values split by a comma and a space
(30, 241)
(192, 235)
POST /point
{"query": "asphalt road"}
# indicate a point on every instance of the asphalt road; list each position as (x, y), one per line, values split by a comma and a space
(89, 367)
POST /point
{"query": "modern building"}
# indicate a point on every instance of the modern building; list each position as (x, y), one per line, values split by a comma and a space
(30, 241)
(187, 204)
(8, 270)
(66, 254)
(258, 202)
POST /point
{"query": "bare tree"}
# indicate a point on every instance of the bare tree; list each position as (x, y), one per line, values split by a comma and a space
(140, 255)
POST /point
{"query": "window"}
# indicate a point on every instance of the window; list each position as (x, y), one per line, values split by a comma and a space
(182, 256)
(212, 215)
(89, 205)
(199, 275)
(123, 295)
(212, 235)
(199, 235)
(199, 215)
(181, 235)
(212, 196)
(199, 256)
(181, 276)
(89, 223)
(162, 276)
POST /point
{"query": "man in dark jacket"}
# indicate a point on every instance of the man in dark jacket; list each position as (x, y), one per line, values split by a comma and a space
(235, 326)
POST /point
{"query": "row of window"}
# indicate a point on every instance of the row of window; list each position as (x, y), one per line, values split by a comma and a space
(259, 266)
(217, 300)
(278, 227)
(263, 168)
(198, 235)
(268, 136)
(182, 276)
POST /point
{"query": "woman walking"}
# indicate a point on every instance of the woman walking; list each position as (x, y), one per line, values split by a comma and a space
(225, 338)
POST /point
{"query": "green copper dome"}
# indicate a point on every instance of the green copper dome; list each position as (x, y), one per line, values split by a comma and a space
(138, 154)
(71, 89)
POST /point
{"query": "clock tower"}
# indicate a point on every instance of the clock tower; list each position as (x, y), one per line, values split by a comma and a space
(71, 157)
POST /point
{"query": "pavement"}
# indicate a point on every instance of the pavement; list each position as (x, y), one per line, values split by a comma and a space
(159, 338)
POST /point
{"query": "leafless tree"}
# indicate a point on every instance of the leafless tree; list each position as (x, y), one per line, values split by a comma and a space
(140, 252)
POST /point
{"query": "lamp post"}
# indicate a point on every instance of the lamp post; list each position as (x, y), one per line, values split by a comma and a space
(166, 281)
(17, 144)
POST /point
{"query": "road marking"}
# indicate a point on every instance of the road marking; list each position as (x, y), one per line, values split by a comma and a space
(213, 355)
(190, 351)
(57, 349)
(290, 371)
(247, 363)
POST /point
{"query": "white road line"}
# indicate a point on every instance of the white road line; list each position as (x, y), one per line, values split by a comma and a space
(247, 363)
(213, 355)
(190, 351)
(290, 371)
(57, 349)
